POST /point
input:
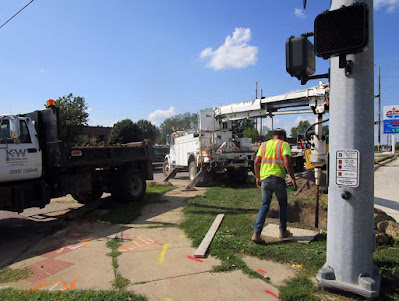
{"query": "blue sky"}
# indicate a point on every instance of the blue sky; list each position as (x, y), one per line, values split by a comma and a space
(152, 59)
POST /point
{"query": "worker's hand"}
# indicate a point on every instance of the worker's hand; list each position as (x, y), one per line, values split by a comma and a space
(294, 185)
(258, 183)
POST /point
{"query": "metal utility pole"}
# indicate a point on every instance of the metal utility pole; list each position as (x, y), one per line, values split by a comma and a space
(379, 108)
(350, 241)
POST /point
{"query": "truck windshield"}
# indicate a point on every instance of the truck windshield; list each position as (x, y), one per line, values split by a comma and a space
(5, 132)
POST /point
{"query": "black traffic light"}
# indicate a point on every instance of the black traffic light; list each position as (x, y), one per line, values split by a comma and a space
(300, 57)
(342, 31)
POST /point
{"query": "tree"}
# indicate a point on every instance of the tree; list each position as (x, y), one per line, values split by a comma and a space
(300, 129)
(72, 116)
(179, 122)
(267, 133)
(124, 131)
(146, 130)
(251, 132)
(239, 126)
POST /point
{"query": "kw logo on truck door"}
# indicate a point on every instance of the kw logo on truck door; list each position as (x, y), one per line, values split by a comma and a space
(16, 155)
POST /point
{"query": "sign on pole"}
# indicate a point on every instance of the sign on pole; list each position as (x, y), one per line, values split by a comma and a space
(391, 119)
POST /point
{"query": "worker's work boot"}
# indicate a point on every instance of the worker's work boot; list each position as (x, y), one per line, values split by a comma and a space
(285, 234)
(256, 238)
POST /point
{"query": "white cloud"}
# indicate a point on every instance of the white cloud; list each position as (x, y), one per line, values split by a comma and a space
(42, 70)
(235, 53)
(160, 115)
(299, 13)
(389, 5)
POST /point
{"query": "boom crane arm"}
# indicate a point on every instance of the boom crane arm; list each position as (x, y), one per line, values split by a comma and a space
(311, 100)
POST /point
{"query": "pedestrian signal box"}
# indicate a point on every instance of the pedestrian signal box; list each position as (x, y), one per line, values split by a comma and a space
(300, 57)
(342, 31)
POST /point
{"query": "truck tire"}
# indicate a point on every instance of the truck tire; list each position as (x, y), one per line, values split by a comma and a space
(128, 187)
(239, 176)
(204, 179)
(192, 170)
(86, 197)
(166, 169)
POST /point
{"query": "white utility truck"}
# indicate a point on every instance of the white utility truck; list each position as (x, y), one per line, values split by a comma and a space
(35, 165)
(211, 149)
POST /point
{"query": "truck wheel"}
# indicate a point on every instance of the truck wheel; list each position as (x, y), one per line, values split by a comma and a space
(130, 186)
(238, 176)
(86, 197)
(166, 168)
(192, 170)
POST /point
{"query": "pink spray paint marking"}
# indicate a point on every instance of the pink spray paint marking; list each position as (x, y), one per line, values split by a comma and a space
(271, 293)
(196, 259)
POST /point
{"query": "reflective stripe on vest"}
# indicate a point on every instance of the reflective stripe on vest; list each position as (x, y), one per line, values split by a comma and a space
(277, 154)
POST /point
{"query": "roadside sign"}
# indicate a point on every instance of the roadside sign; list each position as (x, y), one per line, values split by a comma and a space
(347, 168)
(391, 126)
(391, 112)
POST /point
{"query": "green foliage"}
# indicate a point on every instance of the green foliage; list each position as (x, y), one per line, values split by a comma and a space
(72, 117)
(297, 289)
(267, 133)
(146, 130)
(124, 131)
(11, 275)
(239, 126)
(300, 129)
(179, 122)
(251, 132)
(86, 295)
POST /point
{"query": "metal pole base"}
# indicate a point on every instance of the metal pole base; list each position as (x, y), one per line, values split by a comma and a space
(368, 287)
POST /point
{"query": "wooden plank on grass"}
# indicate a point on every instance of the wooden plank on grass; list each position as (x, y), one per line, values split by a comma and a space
(203, 247)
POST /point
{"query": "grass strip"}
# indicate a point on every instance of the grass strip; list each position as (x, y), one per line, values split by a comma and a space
(11, 275)
(119, 283)
(81, 295)
(240, 206)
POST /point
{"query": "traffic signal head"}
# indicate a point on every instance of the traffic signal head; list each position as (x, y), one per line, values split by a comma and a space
(341, 31)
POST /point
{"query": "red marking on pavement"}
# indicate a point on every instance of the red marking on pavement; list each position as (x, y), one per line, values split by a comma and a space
(54, 284)
(271, 293)
(261, 271)
(196, 259)
(46, 268)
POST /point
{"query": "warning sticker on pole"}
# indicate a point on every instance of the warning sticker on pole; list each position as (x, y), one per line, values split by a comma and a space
(347, 168)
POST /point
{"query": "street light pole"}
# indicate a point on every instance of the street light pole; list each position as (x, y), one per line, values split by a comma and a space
(379, 108)
(350, 240)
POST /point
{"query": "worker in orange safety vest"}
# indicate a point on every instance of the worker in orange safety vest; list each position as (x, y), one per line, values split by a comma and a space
(272, 161)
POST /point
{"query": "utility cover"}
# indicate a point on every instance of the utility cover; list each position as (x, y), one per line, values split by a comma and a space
(347, 168)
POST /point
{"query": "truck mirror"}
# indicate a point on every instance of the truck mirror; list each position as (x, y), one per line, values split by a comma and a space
(14, 128)
(300, 57)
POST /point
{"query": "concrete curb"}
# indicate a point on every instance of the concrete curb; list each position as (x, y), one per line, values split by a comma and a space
(384, 163)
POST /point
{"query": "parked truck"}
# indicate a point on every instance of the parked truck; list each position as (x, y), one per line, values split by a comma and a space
(211, 149)
(36, 166)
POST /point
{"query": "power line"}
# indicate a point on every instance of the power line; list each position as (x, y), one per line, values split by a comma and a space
(16, 14)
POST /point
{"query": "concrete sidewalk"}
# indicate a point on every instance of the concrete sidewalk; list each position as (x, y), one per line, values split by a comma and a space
(386, 189)
(158, 261)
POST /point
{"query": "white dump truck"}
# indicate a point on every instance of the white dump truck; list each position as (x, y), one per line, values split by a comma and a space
(211, 149)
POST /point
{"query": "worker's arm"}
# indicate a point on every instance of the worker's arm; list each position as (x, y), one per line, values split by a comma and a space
(290, 169)
(257, 163)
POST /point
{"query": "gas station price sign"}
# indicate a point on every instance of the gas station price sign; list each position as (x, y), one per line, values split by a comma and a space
(391, 119)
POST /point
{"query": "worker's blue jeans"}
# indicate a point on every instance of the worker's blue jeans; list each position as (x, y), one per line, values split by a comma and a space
(278, 186)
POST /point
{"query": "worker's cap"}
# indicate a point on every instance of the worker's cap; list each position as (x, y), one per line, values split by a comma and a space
(280, 132)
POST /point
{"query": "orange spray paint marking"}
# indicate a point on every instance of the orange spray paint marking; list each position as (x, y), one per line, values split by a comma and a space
(55, 284)
(261, 271)
(133, 243)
